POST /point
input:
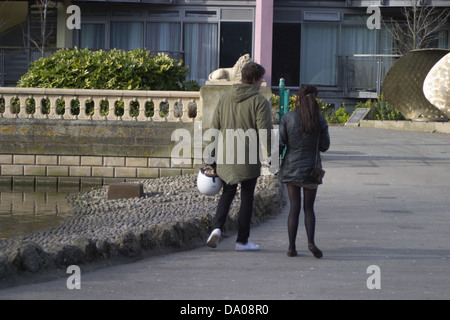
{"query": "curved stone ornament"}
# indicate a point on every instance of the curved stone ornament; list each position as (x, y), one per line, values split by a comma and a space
(402, 86)
(436, 86)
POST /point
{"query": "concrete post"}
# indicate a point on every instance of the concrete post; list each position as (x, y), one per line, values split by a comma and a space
(263, 36)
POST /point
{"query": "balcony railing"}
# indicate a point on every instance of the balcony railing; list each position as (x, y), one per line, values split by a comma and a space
(361, 75)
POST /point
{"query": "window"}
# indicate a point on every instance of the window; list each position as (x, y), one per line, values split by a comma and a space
(200, 46)
(235, 41)
(164, 37)
(441, 40)
(358, 39)
(164, 14)
(286, 53)
(92, 36)
(318, 54)
(194, 34)
(127, 35)
(201, 14)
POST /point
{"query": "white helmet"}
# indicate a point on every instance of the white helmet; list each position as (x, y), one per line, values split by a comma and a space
(208, 183)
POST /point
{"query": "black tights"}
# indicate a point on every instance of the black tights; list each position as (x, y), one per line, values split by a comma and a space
(294, 213)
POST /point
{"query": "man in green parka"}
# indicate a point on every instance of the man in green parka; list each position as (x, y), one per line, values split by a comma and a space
(243, 117)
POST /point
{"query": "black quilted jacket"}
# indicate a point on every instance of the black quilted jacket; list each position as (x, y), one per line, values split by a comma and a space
(300, 156)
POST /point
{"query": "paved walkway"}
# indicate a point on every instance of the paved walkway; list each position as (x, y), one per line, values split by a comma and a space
(385, 202)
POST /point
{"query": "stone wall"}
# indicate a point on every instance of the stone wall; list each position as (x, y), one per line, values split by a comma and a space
(47, 145)
(407, 125)
(87, 152)
(42, 143)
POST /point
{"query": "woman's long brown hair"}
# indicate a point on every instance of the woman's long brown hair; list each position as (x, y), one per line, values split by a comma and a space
(308, 108)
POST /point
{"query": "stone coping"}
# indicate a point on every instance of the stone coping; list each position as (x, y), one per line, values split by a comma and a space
(407, 125)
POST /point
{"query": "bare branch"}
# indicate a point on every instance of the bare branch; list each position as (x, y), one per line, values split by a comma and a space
(40, 41)
(420, 27)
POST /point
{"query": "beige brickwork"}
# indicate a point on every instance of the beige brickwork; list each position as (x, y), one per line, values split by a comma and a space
(66, 170)
(114, 161)
(12, 170)
(103, 172)
(91, 161)
(80, 171)
(136, 162)
(58, 171)
(23, 159)
(6, 159)
(34, 170)
(159, 162)
(46, 159)
(125, 172)
(69, 160)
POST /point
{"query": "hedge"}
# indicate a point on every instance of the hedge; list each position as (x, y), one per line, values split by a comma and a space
(115, 70)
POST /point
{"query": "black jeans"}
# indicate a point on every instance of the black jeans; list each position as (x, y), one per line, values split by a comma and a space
(245, 211)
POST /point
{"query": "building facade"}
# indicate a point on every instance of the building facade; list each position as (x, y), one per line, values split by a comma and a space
(334, 44)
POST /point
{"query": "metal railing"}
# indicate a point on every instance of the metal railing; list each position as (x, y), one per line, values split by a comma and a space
(15, 61)
(361, 75)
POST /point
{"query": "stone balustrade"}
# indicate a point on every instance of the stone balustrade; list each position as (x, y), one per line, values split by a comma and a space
(87, 104)
(83, 137)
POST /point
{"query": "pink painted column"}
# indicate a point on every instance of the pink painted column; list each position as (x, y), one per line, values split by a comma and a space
(263, 36)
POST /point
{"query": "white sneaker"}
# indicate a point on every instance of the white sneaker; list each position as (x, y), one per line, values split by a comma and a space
(249, 246)
(214, 238)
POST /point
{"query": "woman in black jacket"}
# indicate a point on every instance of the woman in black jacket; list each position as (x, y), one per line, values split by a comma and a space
(302, 132)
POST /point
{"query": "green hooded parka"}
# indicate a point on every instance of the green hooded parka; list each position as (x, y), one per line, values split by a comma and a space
(243, 117)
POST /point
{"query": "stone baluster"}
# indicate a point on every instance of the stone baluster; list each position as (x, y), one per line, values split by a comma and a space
(97, 109)
(9, 106)
(6, 100)
(127, 108)
(21, 100)
(83, 108)
(110, 115)
(66, 114)
(38, 114)
(53, 107)
(141, 116)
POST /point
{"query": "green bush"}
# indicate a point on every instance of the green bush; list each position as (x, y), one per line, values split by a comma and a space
(115, 69)
(340, 116)
(326, 109)
(380, 109)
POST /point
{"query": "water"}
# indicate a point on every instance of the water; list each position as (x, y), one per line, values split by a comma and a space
(27, 211)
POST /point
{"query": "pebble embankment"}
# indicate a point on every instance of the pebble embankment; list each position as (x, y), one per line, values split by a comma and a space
(172, 215)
